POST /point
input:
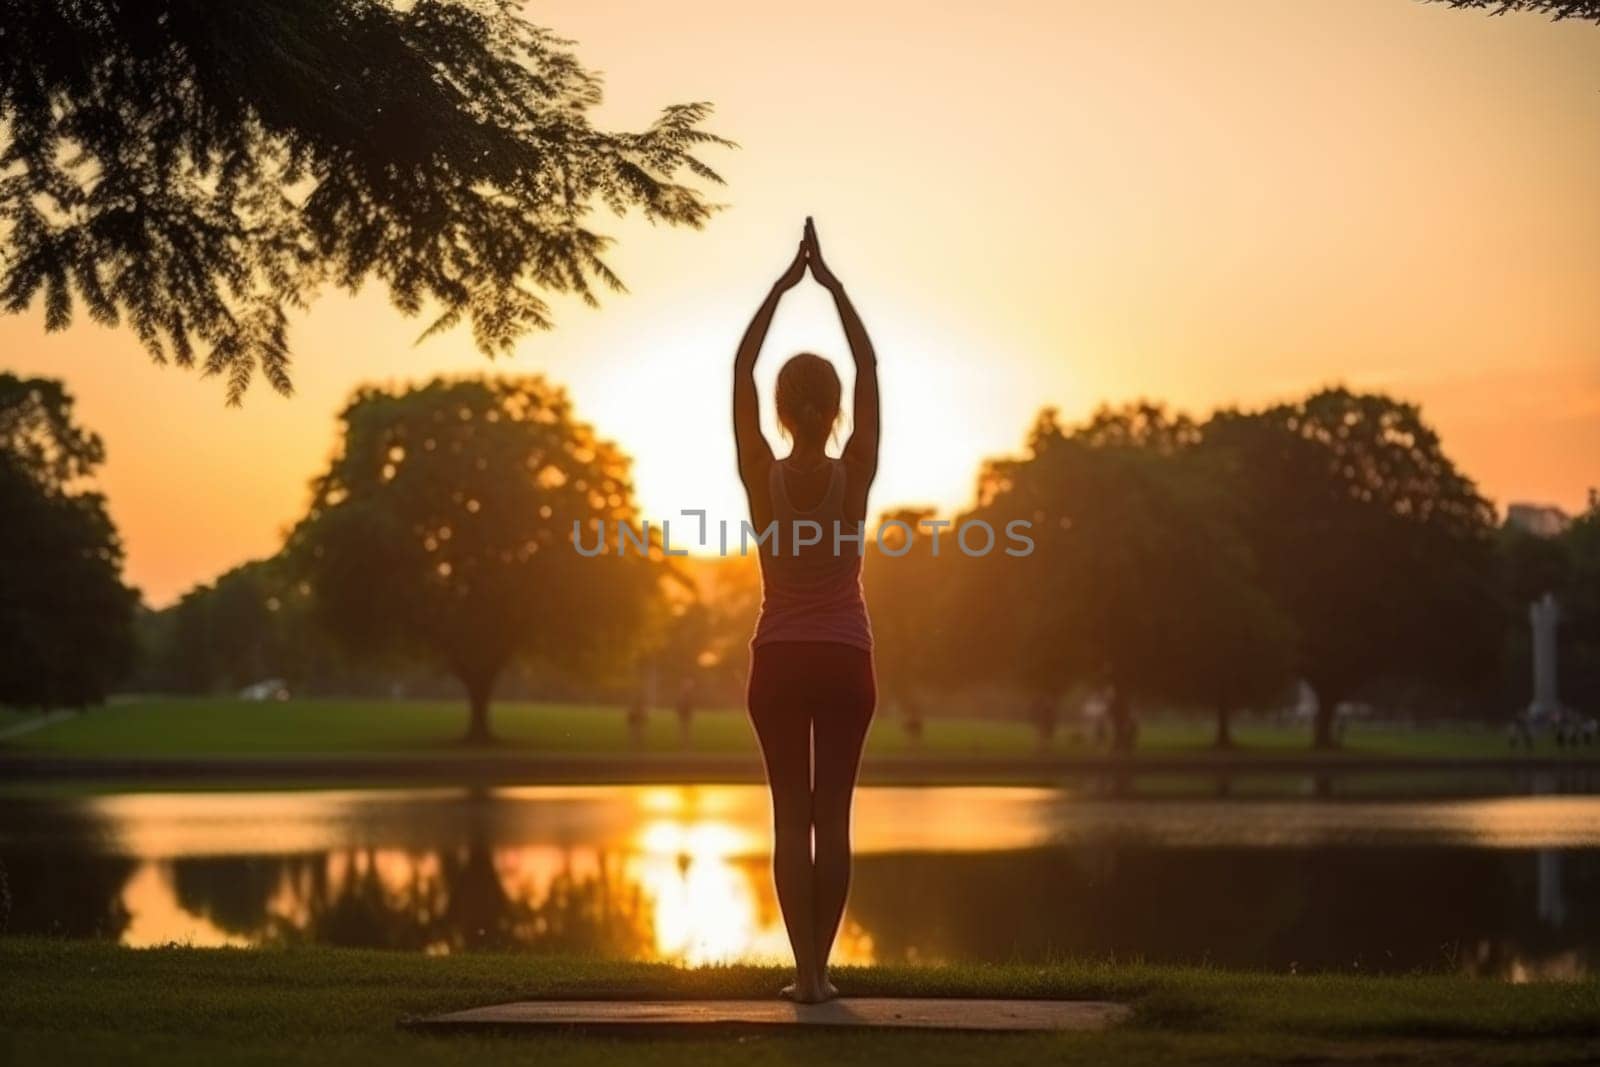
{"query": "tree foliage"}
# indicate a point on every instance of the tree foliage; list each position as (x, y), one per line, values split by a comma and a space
(1580, 606)
(1375, 544)
(708, 644)
(1207, 564)
(914, 642)
(66, 619)
(250, 625)
(1556, 9)
(444, 528)
(1138, 580)
(1231, 645)
(198, 169)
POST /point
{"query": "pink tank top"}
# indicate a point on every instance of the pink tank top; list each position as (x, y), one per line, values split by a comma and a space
(811, 592)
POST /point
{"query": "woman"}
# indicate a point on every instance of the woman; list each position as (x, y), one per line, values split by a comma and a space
(812, 690)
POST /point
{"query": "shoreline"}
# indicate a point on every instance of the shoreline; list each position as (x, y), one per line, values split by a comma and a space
(490, 767)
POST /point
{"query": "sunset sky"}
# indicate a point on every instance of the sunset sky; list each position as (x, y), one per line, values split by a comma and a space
(1050, 203)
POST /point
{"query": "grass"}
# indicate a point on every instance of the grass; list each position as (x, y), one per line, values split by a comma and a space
(66, 1002)
(182, 727)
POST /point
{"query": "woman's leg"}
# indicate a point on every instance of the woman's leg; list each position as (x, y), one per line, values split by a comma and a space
(783, 725)
(840, 727)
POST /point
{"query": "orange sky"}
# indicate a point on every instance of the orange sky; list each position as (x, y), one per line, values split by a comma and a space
(1031, 203)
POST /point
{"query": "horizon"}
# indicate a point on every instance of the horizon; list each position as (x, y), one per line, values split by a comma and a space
(1191, 210)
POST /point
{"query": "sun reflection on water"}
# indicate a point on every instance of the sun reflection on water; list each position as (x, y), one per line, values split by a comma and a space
(681, 874)
(690, 884)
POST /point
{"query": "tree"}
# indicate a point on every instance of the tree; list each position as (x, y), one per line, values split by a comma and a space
(200, 169)
(444, 529)
(66, 619)
(1579, 658)
(1378, 548)
(1233, 647)
(1556, 9)
(1143, 424)
(728, 599)
(908, 596)
(1137, 580)
(244, 628)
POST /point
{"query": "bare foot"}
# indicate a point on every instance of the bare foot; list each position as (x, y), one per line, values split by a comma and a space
(813, 992)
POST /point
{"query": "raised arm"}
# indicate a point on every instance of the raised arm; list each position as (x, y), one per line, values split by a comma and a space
(861, 451)
(755, 455)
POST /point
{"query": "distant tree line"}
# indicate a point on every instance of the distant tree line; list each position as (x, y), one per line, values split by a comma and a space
(1208, 565)
(1212, 565)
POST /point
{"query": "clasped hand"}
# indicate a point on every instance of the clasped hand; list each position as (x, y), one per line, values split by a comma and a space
(809, 254)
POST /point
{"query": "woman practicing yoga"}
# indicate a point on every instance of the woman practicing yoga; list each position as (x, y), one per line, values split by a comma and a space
(812, 690)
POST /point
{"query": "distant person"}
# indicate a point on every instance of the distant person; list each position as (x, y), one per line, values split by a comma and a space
(911, 721)
(812, 688)
(1044, 711)
(638, 717)
(685, 709)
(1521, 731)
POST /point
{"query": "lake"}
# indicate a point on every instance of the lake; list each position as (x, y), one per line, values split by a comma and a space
(1505, 886)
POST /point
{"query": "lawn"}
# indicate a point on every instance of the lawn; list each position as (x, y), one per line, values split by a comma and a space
(204, 726)
(65, 1002)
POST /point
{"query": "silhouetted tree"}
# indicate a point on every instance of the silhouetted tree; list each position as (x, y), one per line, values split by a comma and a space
(678, 651)
(1235, 650)
(249, 625)
(1378, 548)
(444, 530)
(66, 619)
(1579, 656)
(1556, 9)
(200, 169)
(187, 662)
(1137, 581)
(1143, 424)
(906, 589)
(731, 592)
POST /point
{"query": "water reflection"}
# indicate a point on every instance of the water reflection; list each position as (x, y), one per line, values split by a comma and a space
(1503, 886)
